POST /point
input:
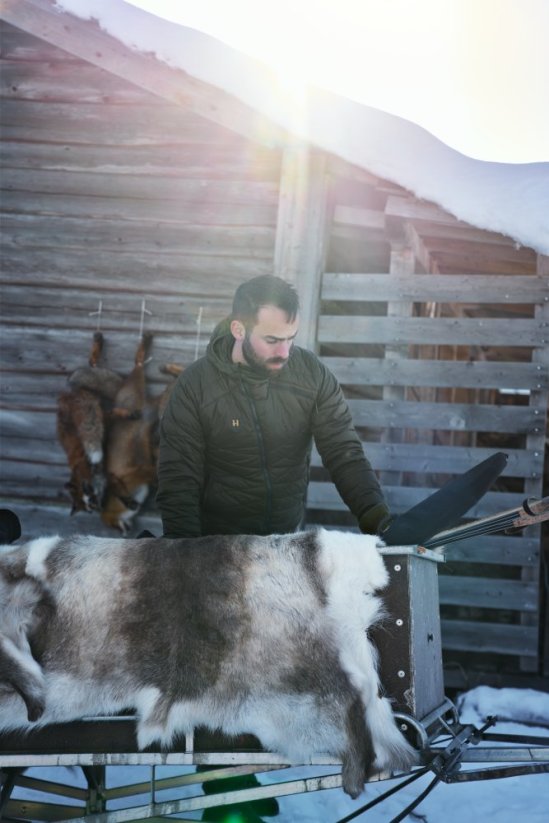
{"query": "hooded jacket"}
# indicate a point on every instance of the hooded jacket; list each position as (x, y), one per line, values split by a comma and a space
(235, 445)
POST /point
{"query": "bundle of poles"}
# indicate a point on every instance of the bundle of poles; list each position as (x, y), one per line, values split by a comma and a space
(532, 511)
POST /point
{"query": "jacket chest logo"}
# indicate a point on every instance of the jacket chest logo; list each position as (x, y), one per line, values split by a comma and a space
(235, 422)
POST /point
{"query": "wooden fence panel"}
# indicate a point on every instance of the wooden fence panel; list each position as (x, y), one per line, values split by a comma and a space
(473, 375)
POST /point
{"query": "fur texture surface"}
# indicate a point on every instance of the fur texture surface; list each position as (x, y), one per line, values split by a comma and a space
(266, 635)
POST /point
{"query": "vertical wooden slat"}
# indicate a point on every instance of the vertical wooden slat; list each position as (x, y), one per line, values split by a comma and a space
(402, 262)
(302, 231)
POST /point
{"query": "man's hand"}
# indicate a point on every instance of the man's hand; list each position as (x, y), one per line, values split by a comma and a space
(375, 520)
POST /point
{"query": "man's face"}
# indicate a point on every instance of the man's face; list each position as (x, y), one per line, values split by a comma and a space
(267, 346)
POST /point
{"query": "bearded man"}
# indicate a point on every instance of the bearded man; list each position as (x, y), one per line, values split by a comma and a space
(237, 433)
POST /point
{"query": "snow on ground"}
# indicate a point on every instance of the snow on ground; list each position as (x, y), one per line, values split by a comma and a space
(508, 800)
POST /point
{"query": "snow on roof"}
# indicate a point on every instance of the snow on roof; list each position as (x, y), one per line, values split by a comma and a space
(509, 198)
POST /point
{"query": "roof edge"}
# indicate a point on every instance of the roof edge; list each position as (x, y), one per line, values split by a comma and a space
(86, 40)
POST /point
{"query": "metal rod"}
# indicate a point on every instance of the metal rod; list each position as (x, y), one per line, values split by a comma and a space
(497, 772)
(419, 799)
(486, 525)
(465, 532)
(384, 795)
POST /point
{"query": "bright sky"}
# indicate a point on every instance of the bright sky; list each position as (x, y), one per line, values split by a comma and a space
(473, 72)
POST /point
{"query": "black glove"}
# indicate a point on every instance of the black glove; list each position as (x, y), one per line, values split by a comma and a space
(375, 520)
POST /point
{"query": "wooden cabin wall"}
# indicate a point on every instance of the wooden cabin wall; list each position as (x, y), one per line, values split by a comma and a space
(110, 197)
(444, 367)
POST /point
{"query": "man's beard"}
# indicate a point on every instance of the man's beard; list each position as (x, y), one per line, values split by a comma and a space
(259, 364)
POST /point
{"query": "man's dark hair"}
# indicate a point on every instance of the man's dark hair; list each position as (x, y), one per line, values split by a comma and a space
(265, 290)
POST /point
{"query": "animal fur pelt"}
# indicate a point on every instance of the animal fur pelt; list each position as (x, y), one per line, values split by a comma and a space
(265, 635)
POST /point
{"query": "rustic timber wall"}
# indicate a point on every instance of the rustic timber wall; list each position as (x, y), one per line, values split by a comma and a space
(110, 196)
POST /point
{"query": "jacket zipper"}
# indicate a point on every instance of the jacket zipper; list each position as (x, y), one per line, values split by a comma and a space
(263, 459)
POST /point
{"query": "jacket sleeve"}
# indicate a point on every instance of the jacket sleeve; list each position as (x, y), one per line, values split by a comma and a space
(342, 453)
(181, 463)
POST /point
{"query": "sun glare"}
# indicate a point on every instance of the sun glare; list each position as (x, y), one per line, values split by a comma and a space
(474, 74)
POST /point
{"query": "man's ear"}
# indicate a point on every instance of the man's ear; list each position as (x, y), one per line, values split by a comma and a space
(237, 330)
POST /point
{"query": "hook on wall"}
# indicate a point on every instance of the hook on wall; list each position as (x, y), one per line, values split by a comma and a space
(198, 332)
(144, 311)
(99, 312)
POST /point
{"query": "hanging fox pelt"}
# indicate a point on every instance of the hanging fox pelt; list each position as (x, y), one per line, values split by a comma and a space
(264, 635)
(81, 413)
(130, 457)
(108, 428)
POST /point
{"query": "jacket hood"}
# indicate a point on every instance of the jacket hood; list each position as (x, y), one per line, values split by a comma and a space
(220, 348)
(219, 353)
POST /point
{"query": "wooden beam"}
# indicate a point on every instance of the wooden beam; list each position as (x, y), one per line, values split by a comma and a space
(343, 168)
(433, 221)
(406, 208)
(419, 249)
(402, 264)
(485, 252)
(421, 288)
(467, 260)
(362, 218)
(86, 40)
(302, 231)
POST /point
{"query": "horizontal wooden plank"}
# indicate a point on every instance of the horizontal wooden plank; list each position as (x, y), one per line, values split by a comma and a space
(117, 124)
(429, 221)
(146, 187)
(232, 161)
(39, 425)
(120, 235)
(408, 208)
(357, 247)
(16, 44)
(432, 331)
(67, 81)
(489, 593)
(361, 218)
(373, 371)
(498, 638)
(60, 351)
(27, 392)
(46, 481)
(430, 288)
(422, 458)
(69, 308)
(446, 416)
(212, 214)
(20, 391)
(401, 498)
(32, 450)
(197, 276)
(495, 549)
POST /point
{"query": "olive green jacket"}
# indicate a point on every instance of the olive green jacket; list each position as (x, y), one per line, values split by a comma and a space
(235, 446)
